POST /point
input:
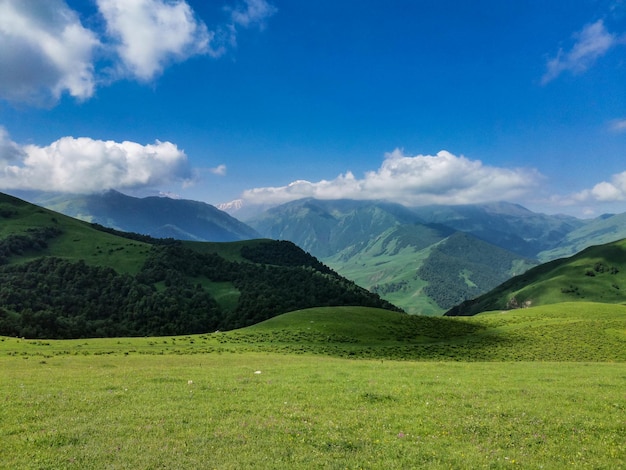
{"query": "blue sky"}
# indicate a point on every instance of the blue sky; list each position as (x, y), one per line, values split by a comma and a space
(418, 102)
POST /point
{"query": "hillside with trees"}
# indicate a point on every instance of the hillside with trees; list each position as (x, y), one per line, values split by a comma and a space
(62, 278)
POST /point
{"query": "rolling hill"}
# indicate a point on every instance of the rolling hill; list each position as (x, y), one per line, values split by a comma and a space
(65, 278)
(567, 332)
(581, 331)
(596, 274)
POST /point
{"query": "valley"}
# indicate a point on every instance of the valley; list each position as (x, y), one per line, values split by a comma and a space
(425, 260)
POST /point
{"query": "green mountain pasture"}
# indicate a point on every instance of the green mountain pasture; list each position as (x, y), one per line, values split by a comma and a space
(577, 331)
(597, 274)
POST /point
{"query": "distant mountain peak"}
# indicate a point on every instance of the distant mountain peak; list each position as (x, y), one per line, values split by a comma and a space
(232, 206)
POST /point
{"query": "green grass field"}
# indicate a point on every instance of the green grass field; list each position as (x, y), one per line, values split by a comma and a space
(327, 388)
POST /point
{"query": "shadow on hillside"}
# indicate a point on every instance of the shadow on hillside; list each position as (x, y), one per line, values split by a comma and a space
(408, 338)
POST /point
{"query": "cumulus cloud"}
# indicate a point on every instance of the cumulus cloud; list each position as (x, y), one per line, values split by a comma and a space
(605, 191)
(84, 165)
(45, 52)
(591, 43)
(412, 180)
(10, 152)
(151, 33)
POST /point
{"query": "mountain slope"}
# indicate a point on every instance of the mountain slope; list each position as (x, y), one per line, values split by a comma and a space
(61, 278)
(597, 274)
(159, 217)
(324, 228)
(427, 269)
(388, 249)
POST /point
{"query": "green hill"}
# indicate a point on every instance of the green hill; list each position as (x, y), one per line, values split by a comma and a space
(570, 332)
(427, 269)
(582, 331)
(596, 274)
(63, 278)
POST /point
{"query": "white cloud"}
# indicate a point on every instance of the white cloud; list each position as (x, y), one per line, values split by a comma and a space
(592, 43)
(605, 191)
(151, 33)
(219, 170)
(45, 51)
(84, 165)
(412, 180)
(254, 13)
(10, 152)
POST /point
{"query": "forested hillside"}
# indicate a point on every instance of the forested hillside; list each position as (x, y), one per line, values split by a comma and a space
(62, 278)
(453, 278)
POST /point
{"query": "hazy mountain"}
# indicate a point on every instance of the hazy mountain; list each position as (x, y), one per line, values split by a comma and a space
(596, 274)
(604, 229)
(239, 209)
(325, 227)
(155, 216)
(509, 226)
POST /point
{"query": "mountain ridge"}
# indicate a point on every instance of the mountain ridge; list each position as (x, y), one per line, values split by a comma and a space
(157, 216)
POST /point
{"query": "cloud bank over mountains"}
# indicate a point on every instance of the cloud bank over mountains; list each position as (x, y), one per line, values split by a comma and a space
(47, 51)
(413, 180)
(50, 51)
(85, 165)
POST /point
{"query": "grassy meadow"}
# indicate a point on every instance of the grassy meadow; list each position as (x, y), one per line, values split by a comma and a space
(327, 388)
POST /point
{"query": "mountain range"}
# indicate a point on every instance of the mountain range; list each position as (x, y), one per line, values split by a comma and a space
(423, 259)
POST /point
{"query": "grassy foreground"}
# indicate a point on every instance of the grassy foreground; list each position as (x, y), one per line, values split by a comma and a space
(257, 410)
(287, 393)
